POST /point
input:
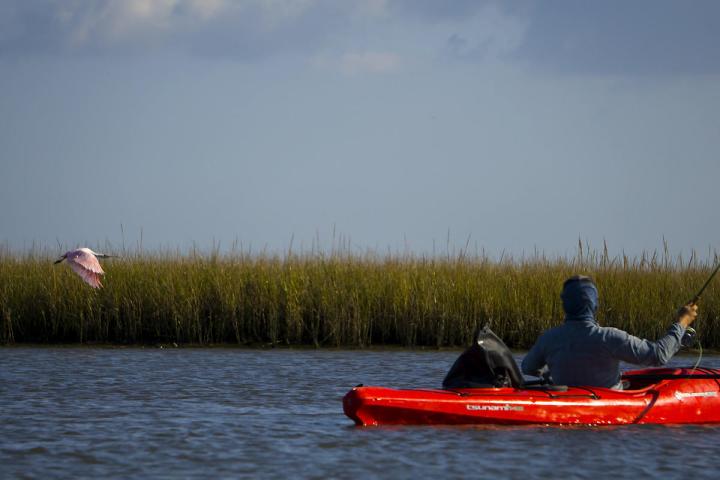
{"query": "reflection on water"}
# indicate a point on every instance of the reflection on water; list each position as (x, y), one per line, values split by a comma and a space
(68, 412)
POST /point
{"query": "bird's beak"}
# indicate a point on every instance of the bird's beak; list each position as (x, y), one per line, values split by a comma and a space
(59, 260)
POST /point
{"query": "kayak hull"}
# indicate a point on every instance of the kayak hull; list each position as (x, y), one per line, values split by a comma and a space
(655, 396)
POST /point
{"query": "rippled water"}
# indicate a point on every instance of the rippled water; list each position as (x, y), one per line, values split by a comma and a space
(87, 412)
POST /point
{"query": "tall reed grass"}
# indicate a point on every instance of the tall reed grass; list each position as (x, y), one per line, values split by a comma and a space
(338, 299)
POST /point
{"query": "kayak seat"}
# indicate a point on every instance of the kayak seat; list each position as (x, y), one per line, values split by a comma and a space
(487, 363)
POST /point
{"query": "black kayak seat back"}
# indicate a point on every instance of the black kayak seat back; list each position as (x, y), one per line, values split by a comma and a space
(487, 363)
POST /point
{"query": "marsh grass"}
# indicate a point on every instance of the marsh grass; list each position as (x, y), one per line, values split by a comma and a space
(338, 299)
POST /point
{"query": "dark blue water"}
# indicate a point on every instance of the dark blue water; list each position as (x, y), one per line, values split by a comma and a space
(138, 413)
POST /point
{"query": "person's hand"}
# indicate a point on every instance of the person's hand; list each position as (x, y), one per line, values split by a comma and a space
(687, 314)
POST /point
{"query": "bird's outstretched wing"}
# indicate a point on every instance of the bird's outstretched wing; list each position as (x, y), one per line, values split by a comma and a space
(87, 266)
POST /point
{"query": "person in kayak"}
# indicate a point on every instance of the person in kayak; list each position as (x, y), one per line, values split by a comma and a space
(581, 352)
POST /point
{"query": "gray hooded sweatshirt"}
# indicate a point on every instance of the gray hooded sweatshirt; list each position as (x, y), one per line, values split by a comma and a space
(580, 352)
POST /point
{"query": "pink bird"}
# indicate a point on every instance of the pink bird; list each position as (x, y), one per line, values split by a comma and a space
(85, 263)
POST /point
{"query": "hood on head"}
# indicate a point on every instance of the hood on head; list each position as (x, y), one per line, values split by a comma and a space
(580, 298)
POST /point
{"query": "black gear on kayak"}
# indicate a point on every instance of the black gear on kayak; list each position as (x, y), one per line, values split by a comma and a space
(487, 363)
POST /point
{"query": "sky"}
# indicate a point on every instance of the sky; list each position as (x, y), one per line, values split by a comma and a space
(392, 125)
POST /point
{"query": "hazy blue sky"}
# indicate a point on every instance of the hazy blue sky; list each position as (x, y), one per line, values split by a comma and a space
(517, 124)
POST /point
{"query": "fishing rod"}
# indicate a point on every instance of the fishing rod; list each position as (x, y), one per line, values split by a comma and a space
(690, 336)
(696, 298)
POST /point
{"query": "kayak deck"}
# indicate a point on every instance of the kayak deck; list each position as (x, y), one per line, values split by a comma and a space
(659, 396)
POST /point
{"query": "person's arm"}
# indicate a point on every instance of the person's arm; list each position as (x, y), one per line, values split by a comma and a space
(534, 361)
(638, 351)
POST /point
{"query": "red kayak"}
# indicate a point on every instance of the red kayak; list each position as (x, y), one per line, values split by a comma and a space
(652, 396)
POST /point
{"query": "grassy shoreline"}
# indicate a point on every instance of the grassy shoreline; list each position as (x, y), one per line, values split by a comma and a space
(338, 300)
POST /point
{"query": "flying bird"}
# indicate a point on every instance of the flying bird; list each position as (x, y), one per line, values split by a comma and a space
(85, 263)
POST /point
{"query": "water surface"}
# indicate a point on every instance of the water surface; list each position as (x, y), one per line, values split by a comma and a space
(134, 413)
